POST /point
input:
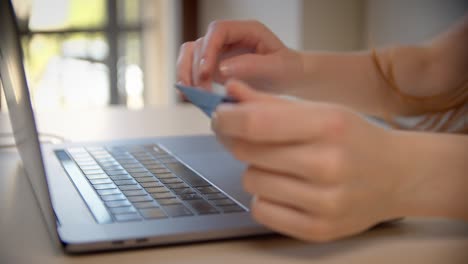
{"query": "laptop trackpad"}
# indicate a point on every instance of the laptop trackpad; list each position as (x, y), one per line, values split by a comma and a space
(222, 170)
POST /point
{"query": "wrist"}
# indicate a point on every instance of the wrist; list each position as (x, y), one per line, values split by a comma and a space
(432, 174)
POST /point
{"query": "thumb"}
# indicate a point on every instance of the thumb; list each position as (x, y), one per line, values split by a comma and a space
(248, 66)
(244, 93)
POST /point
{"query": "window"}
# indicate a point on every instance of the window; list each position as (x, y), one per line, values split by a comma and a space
(84, 53)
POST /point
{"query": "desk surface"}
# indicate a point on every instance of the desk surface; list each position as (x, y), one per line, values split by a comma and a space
(24, 238)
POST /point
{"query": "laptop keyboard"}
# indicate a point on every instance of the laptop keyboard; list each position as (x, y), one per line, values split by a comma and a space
(146, 182)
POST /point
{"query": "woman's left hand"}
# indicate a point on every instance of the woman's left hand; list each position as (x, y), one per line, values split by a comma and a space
(317, 171)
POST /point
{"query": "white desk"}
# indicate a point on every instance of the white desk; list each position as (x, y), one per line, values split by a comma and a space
(24, 238)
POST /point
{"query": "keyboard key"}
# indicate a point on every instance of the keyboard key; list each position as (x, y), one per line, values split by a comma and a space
(187, 175)
(104, 159)
(112, 168)
(148, 159)
(140, 153)
(100, 181)
(141, 174)
(208, 189)
(125, 162)
(127, 217)
(108, 191)
(177, 185)
(162, 195)
(163, 175)
(101, 154)
(140, 205)
(130, 187)
(144, 158)
(223, 202)
(87, 172)
(85, 160)
(152, 162)
(78, 156)
(97, 176)
(190, 196)
(118, 172)
(147, 179)
(176, 210)
(143, 198)
(150, 184)
(130, 166)
(113, 197)
(90, 167)
(153, 213)
(136, 170)
(231, 209)
(171, 180)
(104, 186)
(109, 163)
(169, 201)
(160, 170)
(125, 182)
(121, 177)
(119, 203)
(202, 207)
(134, 192)
(160, 189)
(123, 210)
(155, 167)
(183, 191)
(214, 196)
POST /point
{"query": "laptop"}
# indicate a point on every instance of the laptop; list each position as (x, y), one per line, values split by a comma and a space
(123, 194)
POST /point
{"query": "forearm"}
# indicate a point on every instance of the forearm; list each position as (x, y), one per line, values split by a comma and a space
(346, 78)
(353, 79)
(434, 174)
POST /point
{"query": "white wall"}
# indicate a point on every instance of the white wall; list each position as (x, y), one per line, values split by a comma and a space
(283, 17)
(333, 24)
(341, 25)
(409, 21)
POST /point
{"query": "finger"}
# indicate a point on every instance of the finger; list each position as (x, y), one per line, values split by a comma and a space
(287, 220)
(248, 34)
(184, 64)
(243, 93)
(308, 162)
(249, 67)
(282, 189)
(198, 81)
(196, 62)
(260, 117)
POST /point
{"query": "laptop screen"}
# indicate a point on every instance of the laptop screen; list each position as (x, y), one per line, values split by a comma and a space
(21, 115)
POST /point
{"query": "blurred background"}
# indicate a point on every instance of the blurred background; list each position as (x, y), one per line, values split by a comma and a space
(97, 53)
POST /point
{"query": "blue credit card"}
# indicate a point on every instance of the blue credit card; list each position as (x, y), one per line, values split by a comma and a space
(206, 101)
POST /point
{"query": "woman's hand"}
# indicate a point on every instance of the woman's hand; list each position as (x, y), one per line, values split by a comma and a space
(318, 171)
(245, 50)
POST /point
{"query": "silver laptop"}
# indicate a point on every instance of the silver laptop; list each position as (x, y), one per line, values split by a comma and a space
(122, 194)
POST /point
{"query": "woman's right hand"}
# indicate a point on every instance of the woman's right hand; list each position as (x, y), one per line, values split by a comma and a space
(244, 50)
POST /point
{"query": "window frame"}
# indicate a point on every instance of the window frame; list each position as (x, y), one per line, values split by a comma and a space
(112, 30)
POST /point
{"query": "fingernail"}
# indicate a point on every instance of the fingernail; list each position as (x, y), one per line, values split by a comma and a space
(224, 107)
(214, 121)
(224, 69)
(203, 67)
